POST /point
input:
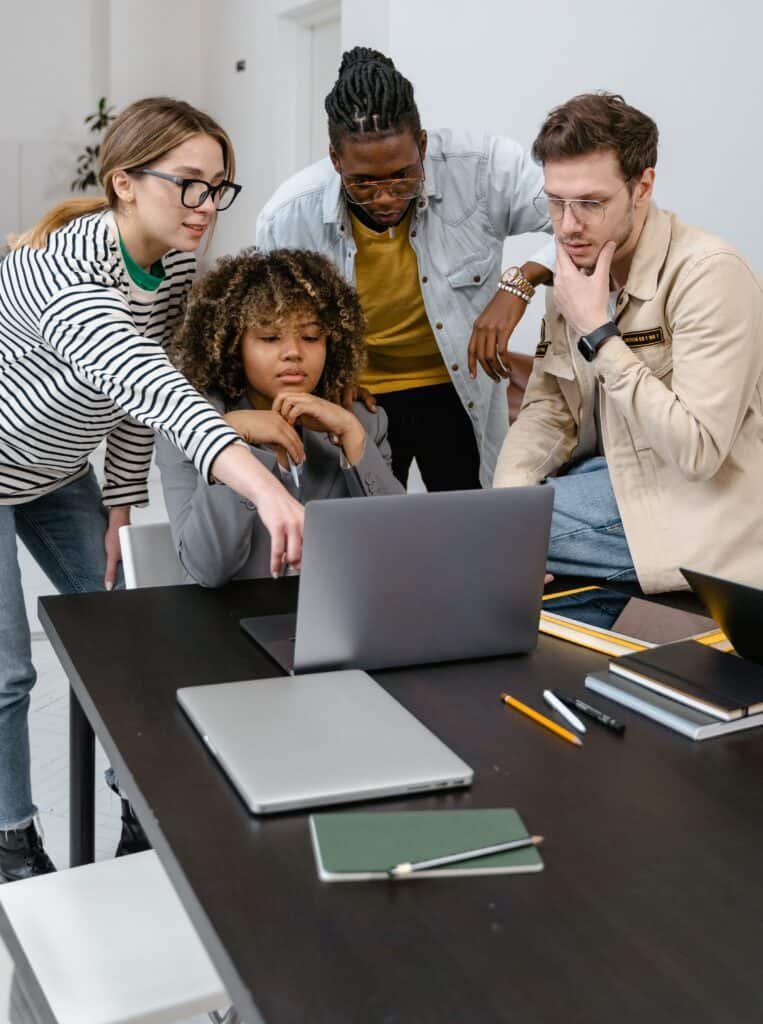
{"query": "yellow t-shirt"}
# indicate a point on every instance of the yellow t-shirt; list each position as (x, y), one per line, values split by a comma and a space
(402, 351)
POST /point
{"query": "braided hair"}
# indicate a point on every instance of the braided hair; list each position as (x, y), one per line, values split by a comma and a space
(370, 96)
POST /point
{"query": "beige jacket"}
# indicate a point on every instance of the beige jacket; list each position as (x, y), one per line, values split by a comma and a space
(681, 399)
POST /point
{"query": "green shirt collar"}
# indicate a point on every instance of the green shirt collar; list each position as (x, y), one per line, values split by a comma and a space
(148, 280)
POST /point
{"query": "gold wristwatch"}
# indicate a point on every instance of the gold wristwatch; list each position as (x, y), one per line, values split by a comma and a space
(514, 281)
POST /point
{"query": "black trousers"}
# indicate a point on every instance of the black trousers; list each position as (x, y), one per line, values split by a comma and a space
(431, 426)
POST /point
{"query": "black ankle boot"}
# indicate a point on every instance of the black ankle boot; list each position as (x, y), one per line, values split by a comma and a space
(22, 854)
(133, 838)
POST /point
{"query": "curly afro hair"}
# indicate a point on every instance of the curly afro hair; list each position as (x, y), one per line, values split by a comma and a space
(244, 290)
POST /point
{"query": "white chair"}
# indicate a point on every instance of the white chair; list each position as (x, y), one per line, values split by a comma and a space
(149, 558)
(106, 943)
(6, 979)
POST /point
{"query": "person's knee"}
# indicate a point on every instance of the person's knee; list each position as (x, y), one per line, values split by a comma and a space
(566, 516)
(14, 691)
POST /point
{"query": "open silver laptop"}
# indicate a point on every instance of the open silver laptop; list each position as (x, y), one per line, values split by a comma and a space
(303, 741)
(416, 578)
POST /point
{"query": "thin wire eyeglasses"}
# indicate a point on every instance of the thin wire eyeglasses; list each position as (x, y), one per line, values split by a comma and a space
(194, 192)
(364, 193)
(585, 211)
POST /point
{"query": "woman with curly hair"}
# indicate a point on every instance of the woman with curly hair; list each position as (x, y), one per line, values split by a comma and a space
(273, 341)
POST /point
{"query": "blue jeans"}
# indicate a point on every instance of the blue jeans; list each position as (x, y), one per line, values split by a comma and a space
(64, 533)
(587, 536)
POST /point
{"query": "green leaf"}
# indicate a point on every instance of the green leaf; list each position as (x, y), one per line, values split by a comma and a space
(88, 159)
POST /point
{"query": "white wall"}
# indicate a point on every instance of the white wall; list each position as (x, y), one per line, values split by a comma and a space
(154, 49)
(58, 60)
(693, 65)
(263, 108)
(242, 102)
(51, 67)
(52, 73)
(367, 23)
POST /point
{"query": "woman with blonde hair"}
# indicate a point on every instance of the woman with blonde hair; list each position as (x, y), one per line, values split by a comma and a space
(88, 297)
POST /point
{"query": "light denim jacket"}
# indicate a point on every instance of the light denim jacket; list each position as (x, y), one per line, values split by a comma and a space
(478, 191)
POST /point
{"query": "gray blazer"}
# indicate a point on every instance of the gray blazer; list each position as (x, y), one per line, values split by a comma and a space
(219, 536)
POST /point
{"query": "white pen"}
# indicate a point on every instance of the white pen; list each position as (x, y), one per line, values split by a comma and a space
(553, 701)
(401, 870)
(293, 470)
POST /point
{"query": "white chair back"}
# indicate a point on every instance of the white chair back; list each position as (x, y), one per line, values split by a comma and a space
(110, 943)
(6, 982)
(149, 558)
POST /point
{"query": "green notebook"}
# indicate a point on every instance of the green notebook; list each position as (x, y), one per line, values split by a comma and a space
(358, 846)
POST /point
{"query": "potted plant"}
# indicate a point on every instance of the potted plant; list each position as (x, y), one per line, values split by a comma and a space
(87, 161)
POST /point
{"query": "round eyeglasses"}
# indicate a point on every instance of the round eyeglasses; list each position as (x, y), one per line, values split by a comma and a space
(585, 211)
(194, 192)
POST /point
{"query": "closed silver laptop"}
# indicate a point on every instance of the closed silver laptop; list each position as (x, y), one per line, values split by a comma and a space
(303, 741)
(415, 578)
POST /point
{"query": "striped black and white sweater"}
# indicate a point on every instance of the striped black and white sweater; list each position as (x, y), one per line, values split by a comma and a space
(81, 359)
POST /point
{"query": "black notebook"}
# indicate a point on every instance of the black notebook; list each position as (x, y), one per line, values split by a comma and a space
(678, 717)
(698, 676)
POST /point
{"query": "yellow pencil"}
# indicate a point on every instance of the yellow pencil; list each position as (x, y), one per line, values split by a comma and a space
(541, 719)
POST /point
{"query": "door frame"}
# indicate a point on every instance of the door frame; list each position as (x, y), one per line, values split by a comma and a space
(295, 21)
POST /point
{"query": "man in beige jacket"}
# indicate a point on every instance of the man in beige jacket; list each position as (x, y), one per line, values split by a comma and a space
(646, 396)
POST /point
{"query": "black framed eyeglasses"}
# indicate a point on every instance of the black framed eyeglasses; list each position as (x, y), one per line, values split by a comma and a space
(194, 192)
(363, 193)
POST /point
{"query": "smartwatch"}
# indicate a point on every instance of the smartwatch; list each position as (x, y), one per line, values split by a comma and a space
(590, 344)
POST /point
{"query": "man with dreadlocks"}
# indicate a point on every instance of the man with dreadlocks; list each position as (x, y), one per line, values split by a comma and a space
(417, 222)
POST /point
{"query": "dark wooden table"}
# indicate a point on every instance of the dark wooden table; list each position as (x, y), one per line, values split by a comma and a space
(650, 907)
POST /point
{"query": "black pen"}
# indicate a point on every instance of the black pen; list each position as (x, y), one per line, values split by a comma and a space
(592, 712)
